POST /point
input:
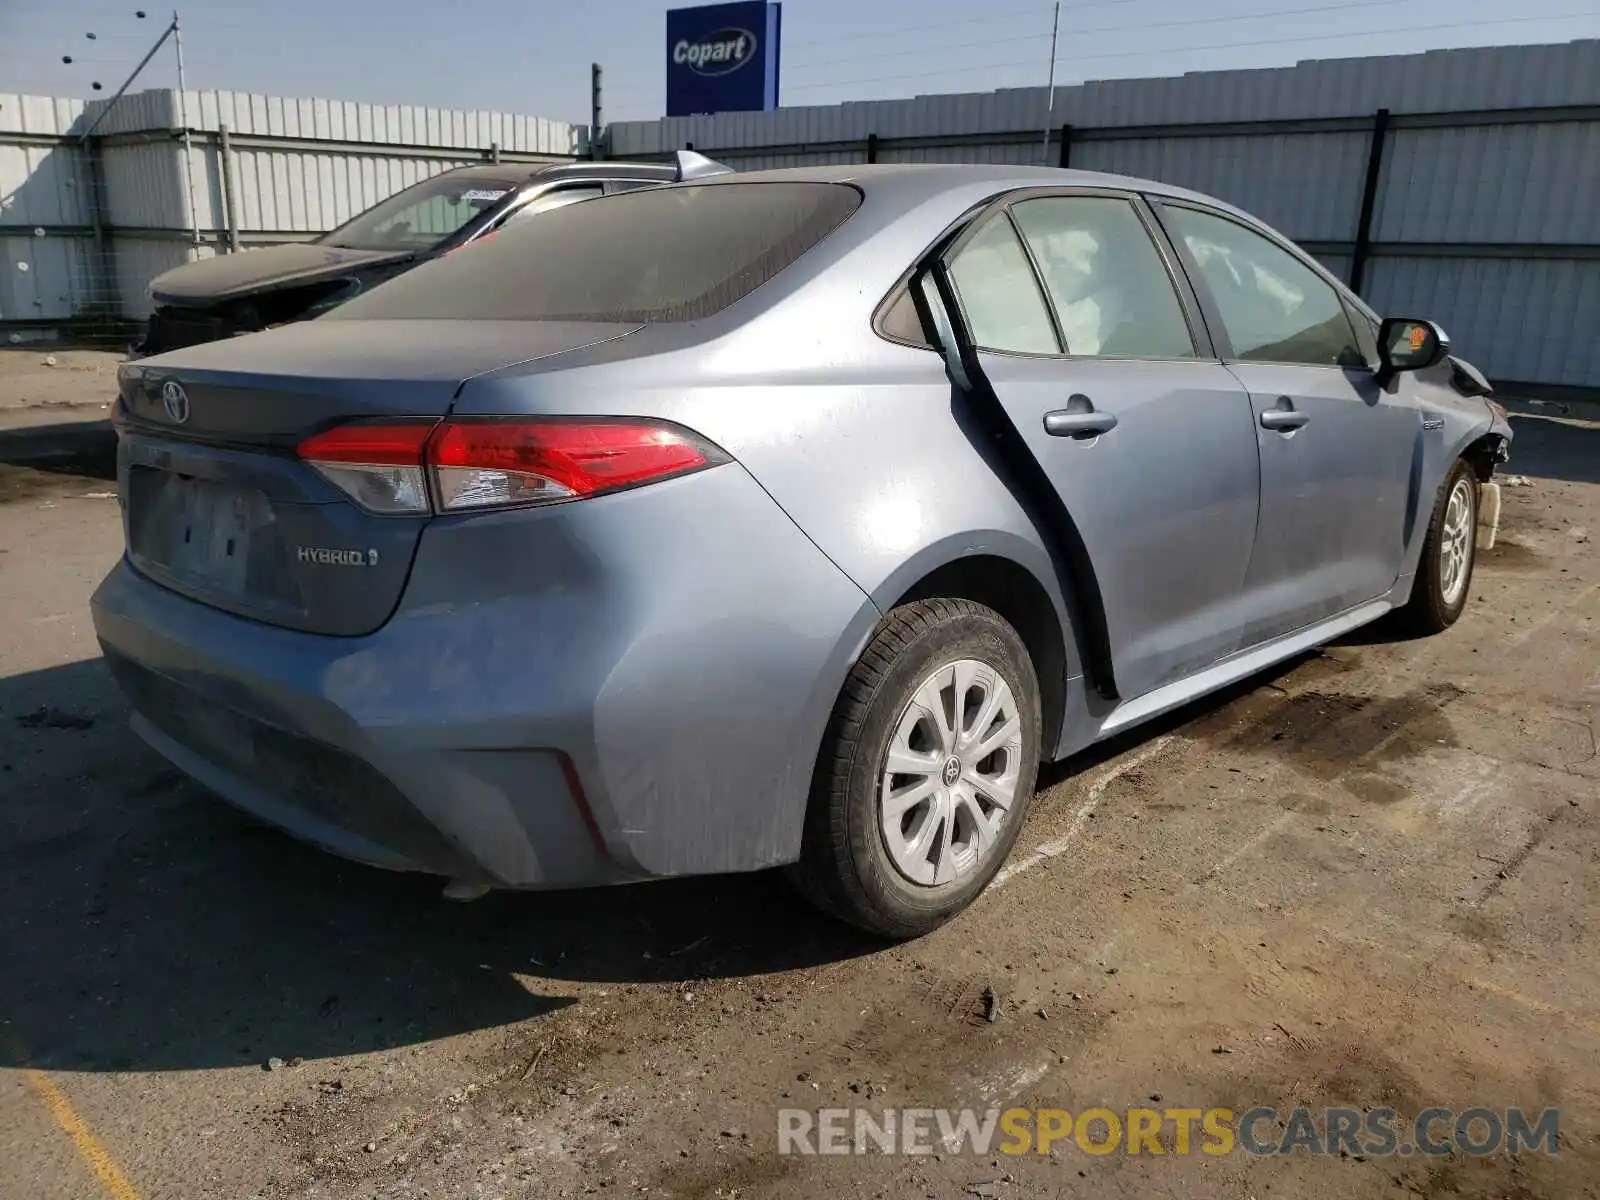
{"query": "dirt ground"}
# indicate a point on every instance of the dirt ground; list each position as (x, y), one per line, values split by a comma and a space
(42, 377)
(1370, 878)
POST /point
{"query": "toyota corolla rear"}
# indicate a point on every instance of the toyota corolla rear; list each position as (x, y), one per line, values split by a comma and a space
(434, 582)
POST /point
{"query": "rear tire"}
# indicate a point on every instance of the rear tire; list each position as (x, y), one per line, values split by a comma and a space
(1444, 572)
(949, 689)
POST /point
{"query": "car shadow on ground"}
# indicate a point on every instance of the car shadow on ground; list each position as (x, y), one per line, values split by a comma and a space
(146, 925)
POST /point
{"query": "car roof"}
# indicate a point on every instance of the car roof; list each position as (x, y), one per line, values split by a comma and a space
(911, 183)
(664, 172)
(520, 173)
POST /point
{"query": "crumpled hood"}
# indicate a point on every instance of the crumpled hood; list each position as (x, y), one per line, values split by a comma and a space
(228, 276)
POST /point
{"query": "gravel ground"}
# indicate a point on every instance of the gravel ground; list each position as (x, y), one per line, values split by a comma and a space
(1371, 877)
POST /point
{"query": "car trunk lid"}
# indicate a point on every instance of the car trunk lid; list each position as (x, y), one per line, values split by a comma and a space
(218, 506)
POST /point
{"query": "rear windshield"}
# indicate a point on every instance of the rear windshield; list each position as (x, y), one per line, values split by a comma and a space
(669, 254)
(423, 215)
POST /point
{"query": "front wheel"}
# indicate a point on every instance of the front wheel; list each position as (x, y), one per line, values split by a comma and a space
(926, 771)
(1444, 572)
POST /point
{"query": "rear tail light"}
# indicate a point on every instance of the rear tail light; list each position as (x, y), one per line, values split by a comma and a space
(457, 466)
(377, 466)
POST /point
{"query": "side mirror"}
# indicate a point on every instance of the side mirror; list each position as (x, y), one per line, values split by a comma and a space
(1405, 344)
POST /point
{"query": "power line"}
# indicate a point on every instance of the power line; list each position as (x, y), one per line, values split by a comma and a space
(986, 19)
(1073, 58)
(1288, 12)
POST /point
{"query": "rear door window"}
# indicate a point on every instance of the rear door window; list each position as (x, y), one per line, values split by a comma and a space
(666, 254)
(1111, 291)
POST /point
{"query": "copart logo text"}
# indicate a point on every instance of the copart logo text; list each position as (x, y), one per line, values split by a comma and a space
(717, 53)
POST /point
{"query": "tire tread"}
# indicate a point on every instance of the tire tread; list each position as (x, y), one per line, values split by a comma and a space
(825, 874)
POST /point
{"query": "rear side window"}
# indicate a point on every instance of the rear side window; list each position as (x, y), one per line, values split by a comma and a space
(1000, 295)
(667, 254)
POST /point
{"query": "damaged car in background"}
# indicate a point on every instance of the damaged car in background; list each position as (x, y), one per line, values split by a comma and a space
(782, 519)
(231, 294)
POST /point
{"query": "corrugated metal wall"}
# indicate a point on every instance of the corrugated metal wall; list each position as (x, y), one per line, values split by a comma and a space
(1506, 183)
(1486, 215)
(298, 168)
(1439, 81)
(1310, 183)
(41, 186)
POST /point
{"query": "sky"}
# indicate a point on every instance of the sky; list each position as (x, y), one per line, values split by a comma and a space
(532, 57)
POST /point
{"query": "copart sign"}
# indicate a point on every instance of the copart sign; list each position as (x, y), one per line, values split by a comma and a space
(723, 58)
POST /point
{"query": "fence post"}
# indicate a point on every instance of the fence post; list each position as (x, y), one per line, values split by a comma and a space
(229, 212)
(103, 290)
(1362, 249)
(1065, 159)
(872, 147)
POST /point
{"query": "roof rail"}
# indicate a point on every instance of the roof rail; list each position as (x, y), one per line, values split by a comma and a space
(698, 166)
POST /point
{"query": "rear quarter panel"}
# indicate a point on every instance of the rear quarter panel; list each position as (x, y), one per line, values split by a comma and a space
(874, 457)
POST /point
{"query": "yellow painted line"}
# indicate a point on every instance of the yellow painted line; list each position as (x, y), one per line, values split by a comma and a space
(94, 1154)
(90, 1149)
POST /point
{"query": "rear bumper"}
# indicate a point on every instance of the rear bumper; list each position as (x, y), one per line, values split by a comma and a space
(256, 715)
(526, 718)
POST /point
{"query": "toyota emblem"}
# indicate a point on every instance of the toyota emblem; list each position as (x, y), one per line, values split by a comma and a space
(175, 401)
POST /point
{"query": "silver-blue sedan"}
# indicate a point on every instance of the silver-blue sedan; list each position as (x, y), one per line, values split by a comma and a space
(780, 518)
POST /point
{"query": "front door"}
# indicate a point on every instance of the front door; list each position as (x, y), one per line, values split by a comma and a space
(1148, 443)
(1335, 449)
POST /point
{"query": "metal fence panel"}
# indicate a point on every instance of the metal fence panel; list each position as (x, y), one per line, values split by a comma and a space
(1497, 183)
(84, 228)
(1015, 154)
(41, 185)
(1310, 183)
(44, 278)
(44, 115)
(145, 186)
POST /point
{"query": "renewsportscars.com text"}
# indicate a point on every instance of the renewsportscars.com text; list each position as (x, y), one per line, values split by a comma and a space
(1372, 1132)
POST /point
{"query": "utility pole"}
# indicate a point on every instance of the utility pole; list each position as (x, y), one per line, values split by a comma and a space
(1050, 87)
(188, 148)
(596, 112)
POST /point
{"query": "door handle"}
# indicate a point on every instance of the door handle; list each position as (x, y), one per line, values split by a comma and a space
(1079, 420)
(1284, 418)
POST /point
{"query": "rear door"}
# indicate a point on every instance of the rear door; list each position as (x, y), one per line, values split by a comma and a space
(1147, 440)
(1335, 449)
